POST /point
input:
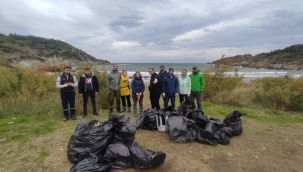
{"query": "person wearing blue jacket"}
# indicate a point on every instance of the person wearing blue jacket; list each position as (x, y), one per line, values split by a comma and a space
(170, 88)
(138, 87)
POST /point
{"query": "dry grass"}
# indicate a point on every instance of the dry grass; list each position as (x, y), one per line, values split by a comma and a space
(269, 143)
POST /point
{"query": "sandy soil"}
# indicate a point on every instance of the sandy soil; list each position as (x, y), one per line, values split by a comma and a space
(261, 147)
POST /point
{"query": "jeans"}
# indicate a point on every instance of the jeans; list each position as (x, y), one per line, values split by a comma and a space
(92, 96)
(140, 104)
(183, 97)
(114, 95)
(154, 99)
(128, 101)
(172, 100)
(68, 98)
(197, 95)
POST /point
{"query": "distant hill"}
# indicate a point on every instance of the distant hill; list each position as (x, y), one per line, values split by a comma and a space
(17, 48)
(290, 58)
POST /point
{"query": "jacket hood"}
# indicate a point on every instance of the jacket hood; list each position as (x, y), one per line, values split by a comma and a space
(198, 71)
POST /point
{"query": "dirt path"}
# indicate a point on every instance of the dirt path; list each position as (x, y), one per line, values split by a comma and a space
(261, 147)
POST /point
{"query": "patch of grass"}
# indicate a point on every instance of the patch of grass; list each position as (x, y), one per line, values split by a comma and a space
(259, 114)
(42, 155)
(23, 128)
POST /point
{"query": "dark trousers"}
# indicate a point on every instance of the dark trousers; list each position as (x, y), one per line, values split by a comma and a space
(140, 104)
(172, 100)
(183, 97)
(114, 95)
(68, 98)
(92, 96)
(154, 99)
(128, 101)
(197, 95)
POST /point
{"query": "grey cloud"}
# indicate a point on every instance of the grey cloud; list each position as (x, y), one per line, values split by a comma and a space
(273, 25)
(127, 21)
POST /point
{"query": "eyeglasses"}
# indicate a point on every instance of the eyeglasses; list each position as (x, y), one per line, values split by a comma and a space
(194, 68)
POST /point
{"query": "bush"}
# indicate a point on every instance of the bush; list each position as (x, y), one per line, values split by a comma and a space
(218, 82)
(282, 93)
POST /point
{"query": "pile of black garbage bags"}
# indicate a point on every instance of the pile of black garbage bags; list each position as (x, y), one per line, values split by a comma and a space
(187, 125)
(103, 146)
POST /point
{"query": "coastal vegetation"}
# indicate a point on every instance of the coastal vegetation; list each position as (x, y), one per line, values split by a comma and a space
(289, 58)
(16, 48)
(33, 136)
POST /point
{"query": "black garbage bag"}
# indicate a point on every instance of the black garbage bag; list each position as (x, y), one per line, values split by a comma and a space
(207, 134)
(91, 162)
(175, 113)
(144, 158)
(119, 155)
(218, 123)
(199, 117)
(181, 129)
(221, 135)
(89, 136)
(147, 120)
(201, 139)
(228, 131)
(234, 121)
(187, 105)
(124, 130)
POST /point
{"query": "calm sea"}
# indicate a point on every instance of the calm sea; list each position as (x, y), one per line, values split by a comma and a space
(248, 73)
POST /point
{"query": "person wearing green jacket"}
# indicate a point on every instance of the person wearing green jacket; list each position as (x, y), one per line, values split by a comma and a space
(197, 86)
(184, 86)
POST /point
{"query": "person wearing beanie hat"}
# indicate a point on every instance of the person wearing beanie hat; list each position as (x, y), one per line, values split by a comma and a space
(170, 88)
(162, 74)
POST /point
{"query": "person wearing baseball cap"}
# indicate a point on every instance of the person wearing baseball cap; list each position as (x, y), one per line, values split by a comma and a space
(170, 89)
(197, 86)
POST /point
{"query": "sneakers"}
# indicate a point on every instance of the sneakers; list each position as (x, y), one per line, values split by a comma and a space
(129, 109)
(96, 113)
(65, 119)
(74, 117)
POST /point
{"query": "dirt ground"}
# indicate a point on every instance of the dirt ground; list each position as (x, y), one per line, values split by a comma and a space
(261, 147)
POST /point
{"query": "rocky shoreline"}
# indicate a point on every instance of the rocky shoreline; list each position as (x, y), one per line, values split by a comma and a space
(277, 62)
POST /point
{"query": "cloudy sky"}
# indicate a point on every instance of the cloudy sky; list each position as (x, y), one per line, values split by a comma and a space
(169, 31)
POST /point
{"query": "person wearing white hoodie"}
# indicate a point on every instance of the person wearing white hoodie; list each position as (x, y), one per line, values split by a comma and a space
(184, 86)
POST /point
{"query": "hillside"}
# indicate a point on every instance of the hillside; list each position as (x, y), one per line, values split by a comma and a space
(17, 48)
(290, 58)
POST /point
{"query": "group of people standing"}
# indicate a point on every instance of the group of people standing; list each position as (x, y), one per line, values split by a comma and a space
(168, 86)
(164, 84)
(88, 87)
(119, 87)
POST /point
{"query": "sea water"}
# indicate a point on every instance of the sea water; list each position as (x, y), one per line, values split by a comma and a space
(248, 73)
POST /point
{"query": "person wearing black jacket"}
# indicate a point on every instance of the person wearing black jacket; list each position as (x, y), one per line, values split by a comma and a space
(88, 87)
(154, 89)
(67, 84)
(162, 74)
